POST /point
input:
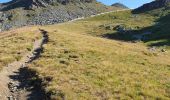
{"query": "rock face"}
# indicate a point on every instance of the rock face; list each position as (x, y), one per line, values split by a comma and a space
(152, 5)
(17, 13)
(30, 4)
(119, 5)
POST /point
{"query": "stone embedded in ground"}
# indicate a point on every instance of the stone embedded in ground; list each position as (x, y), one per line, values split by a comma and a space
(163, 50)
(152, 49)
(109, 27)
(10, 98)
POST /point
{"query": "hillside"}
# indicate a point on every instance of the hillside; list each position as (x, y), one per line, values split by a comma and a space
(31, 4)
(115, 55)
(78, 64)
(81, 66)
(156, 4)
(160, 33)
(19, 13)
(79, 52)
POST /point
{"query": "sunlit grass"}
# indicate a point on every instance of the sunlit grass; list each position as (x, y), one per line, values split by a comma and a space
(77, 64)
(15, 44)
(85, 67)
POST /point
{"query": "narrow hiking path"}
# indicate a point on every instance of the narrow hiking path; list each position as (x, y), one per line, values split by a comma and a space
(13, 78)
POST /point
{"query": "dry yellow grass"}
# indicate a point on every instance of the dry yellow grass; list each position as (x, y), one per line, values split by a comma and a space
(15, 43)
(83, 67)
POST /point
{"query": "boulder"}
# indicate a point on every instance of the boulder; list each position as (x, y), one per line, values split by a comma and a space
(109, 27)
(120, 28)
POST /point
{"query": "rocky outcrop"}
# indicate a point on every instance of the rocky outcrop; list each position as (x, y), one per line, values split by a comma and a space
(152, 5)
(30, 4)
(18, 13)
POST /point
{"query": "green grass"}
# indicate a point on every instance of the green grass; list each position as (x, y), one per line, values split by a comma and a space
(161, 30)
(125, 17)
(156, 22)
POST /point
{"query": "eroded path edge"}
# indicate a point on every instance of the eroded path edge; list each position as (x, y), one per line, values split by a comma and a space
(13, 78)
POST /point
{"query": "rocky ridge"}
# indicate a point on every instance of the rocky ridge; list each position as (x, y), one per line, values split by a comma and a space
(31, 4)
(18, 13)
(152, 5)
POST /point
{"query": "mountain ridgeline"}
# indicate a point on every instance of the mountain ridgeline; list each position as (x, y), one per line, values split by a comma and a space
(156, 4)
(31, 4)
(17, 13)
(119, 5)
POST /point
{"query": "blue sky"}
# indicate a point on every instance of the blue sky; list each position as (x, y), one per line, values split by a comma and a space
(129, 3)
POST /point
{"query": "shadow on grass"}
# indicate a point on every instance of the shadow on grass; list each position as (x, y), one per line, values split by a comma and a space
(158, 34)
(29, 80)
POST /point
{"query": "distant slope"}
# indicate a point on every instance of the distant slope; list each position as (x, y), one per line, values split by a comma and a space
(19, 13)
(152, 5)
(119, 5)
(31, 4)
(160, 10)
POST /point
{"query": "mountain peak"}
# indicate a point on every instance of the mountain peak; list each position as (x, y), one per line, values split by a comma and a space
(120, 5)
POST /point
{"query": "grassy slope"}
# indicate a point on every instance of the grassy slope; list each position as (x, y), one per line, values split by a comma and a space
(82, 66)
(161, 30)
(15, 43)
(155, 21)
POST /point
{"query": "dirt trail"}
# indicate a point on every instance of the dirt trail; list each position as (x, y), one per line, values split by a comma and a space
(13, 78)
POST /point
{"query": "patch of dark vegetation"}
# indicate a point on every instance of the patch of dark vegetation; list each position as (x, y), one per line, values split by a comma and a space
(64, 61)
(119, 36)
(29, 49)
(55, 95)
(73, 56)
